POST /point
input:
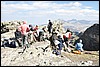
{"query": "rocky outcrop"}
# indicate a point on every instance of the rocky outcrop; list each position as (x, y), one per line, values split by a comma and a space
(58, 25)
(39, 55)
(9, 25)
(91, 38)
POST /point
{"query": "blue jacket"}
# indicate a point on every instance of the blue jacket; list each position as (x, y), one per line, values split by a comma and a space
(79, 46)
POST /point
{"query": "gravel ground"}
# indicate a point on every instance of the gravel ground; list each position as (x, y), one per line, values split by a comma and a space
(34, 56)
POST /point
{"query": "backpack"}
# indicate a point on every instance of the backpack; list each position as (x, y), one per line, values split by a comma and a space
(5, 43)
(68, 35)
(64, 36)
(13, 44)
(27, 30)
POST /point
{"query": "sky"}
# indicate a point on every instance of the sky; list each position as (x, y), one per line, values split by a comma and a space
(39, 12)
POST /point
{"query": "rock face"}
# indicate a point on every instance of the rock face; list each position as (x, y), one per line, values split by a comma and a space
(91, 38)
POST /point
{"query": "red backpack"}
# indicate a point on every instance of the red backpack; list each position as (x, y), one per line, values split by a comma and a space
(64, 36)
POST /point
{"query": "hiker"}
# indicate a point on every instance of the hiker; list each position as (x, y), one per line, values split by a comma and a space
(60, 45)
(65, 40)
(31, 27)
(24, 32)
(54, 41)
(67, 37)
(41, 35)
(36, 28)
(79, 46)
(50, 26)
(44, 29)
(31, 33)
(46, 36)
(18, 37)
(68, 34)
(36, 33)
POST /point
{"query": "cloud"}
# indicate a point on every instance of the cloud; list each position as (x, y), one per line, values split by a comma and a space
(48, 9)
(87, 7)
(77, 4)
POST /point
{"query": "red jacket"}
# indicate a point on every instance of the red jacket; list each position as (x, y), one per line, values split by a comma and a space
(24, 29)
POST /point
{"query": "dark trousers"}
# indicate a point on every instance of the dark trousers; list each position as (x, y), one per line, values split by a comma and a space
(66, 41)
(60, 45)
(24, 41)
(49, 29)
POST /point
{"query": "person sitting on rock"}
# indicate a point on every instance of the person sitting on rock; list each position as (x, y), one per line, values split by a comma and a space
(41, 35)
(65, 40)
(67, 37)
(46, 35)
(60, 45)
(53, 41)
(31, 27)
(32, 36)
(36, 32)
(36, 28)
(79, 46)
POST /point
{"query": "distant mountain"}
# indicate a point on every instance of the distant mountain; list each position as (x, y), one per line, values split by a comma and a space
(74, 24)
(79, 21)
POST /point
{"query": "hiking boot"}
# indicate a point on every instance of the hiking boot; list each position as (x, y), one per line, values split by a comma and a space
(54, 51)
(20, 45)
(65, 50)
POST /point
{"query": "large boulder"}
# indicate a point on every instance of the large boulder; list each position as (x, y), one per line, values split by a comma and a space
(91, 38)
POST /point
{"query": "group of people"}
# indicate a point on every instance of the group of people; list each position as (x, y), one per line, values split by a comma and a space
(57, 41)
(26, 34)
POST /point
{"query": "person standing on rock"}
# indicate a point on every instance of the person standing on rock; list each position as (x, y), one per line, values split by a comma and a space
(50, 26)
(24, 28)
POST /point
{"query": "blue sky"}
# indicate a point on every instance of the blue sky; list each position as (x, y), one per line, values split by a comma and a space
(39, 12)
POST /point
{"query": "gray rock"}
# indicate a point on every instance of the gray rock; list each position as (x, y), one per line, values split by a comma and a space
(91, 38)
